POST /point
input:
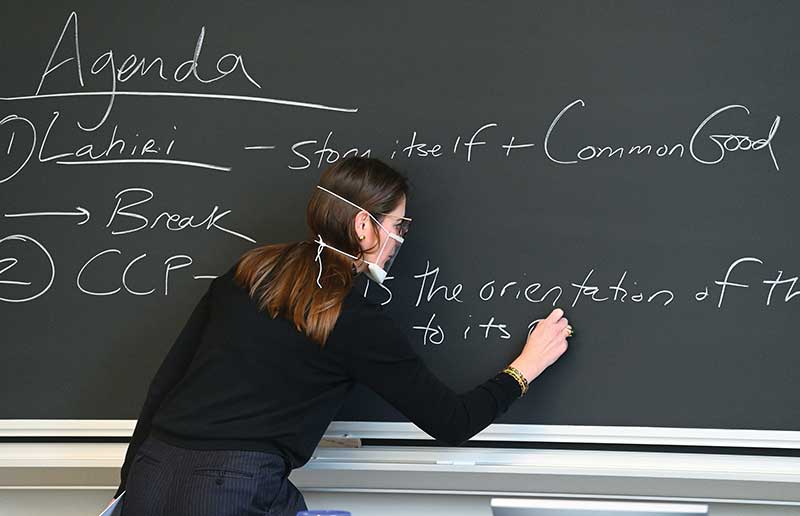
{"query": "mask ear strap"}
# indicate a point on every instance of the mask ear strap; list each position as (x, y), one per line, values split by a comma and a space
(321, 246)
(354, 205)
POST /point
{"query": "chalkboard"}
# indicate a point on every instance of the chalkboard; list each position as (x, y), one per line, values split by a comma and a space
(630, 162)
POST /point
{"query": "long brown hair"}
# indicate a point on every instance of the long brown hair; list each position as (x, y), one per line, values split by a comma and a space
(282, 278)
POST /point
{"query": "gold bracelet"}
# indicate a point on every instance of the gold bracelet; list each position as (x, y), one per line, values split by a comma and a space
(522, 377)
(518, 376)
(523, 389)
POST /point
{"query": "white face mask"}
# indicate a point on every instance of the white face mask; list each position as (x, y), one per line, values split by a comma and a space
(389, 248)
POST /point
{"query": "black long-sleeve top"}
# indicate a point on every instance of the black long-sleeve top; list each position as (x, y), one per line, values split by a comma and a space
(237, 379)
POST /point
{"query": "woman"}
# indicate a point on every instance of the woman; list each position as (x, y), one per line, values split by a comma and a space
(269, 354)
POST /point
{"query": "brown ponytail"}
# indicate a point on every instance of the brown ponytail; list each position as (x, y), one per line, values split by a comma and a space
(282, 278)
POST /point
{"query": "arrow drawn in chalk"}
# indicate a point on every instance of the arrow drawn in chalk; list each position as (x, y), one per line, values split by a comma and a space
(81, 212)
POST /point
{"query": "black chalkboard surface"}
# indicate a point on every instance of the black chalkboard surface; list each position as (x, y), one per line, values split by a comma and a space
(633, 163)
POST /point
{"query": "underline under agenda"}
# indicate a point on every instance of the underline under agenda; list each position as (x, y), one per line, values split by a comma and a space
(134, 65)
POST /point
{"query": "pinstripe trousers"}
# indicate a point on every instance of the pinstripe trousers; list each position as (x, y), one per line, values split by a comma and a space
(166, 480)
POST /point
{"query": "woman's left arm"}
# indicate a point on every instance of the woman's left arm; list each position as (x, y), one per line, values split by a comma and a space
(378, 354)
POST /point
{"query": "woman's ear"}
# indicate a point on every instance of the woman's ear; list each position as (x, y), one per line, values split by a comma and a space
(365, 228)
(361, 223)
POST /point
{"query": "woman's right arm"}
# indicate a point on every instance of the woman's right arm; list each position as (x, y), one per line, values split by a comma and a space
(386, 363)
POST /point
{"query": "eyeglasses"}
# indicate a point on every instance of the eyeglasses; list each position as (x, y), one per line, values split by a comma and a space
(402, 225)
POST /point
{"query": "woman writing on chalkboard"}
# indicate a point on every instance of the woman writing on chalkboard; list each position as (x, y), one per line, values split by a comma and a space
(269, 354)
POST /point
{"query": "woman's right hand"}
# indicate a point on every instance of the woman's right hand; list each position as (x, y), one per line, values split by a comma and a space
(545, 344)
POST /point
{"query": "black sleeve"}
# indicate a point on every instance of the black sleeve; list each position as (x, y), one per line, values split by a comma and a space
(169, 373)
(381, 357)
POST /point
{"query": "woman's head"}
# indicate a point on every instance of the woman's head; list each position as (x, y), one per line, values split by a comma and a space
(361, 201)
(359, 208)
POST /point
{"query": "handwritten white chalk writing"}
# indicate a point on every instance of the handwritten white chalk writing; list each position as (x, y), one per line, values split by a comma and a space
(430, 334)
(81, 212)
(734, 142)
(173, 263)
(8, 263)
(116, 150)
(433, 289)
(326, 154)
(136, 196)
(132, 65)
(384, 286)
(722, 143)
(22, 123)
